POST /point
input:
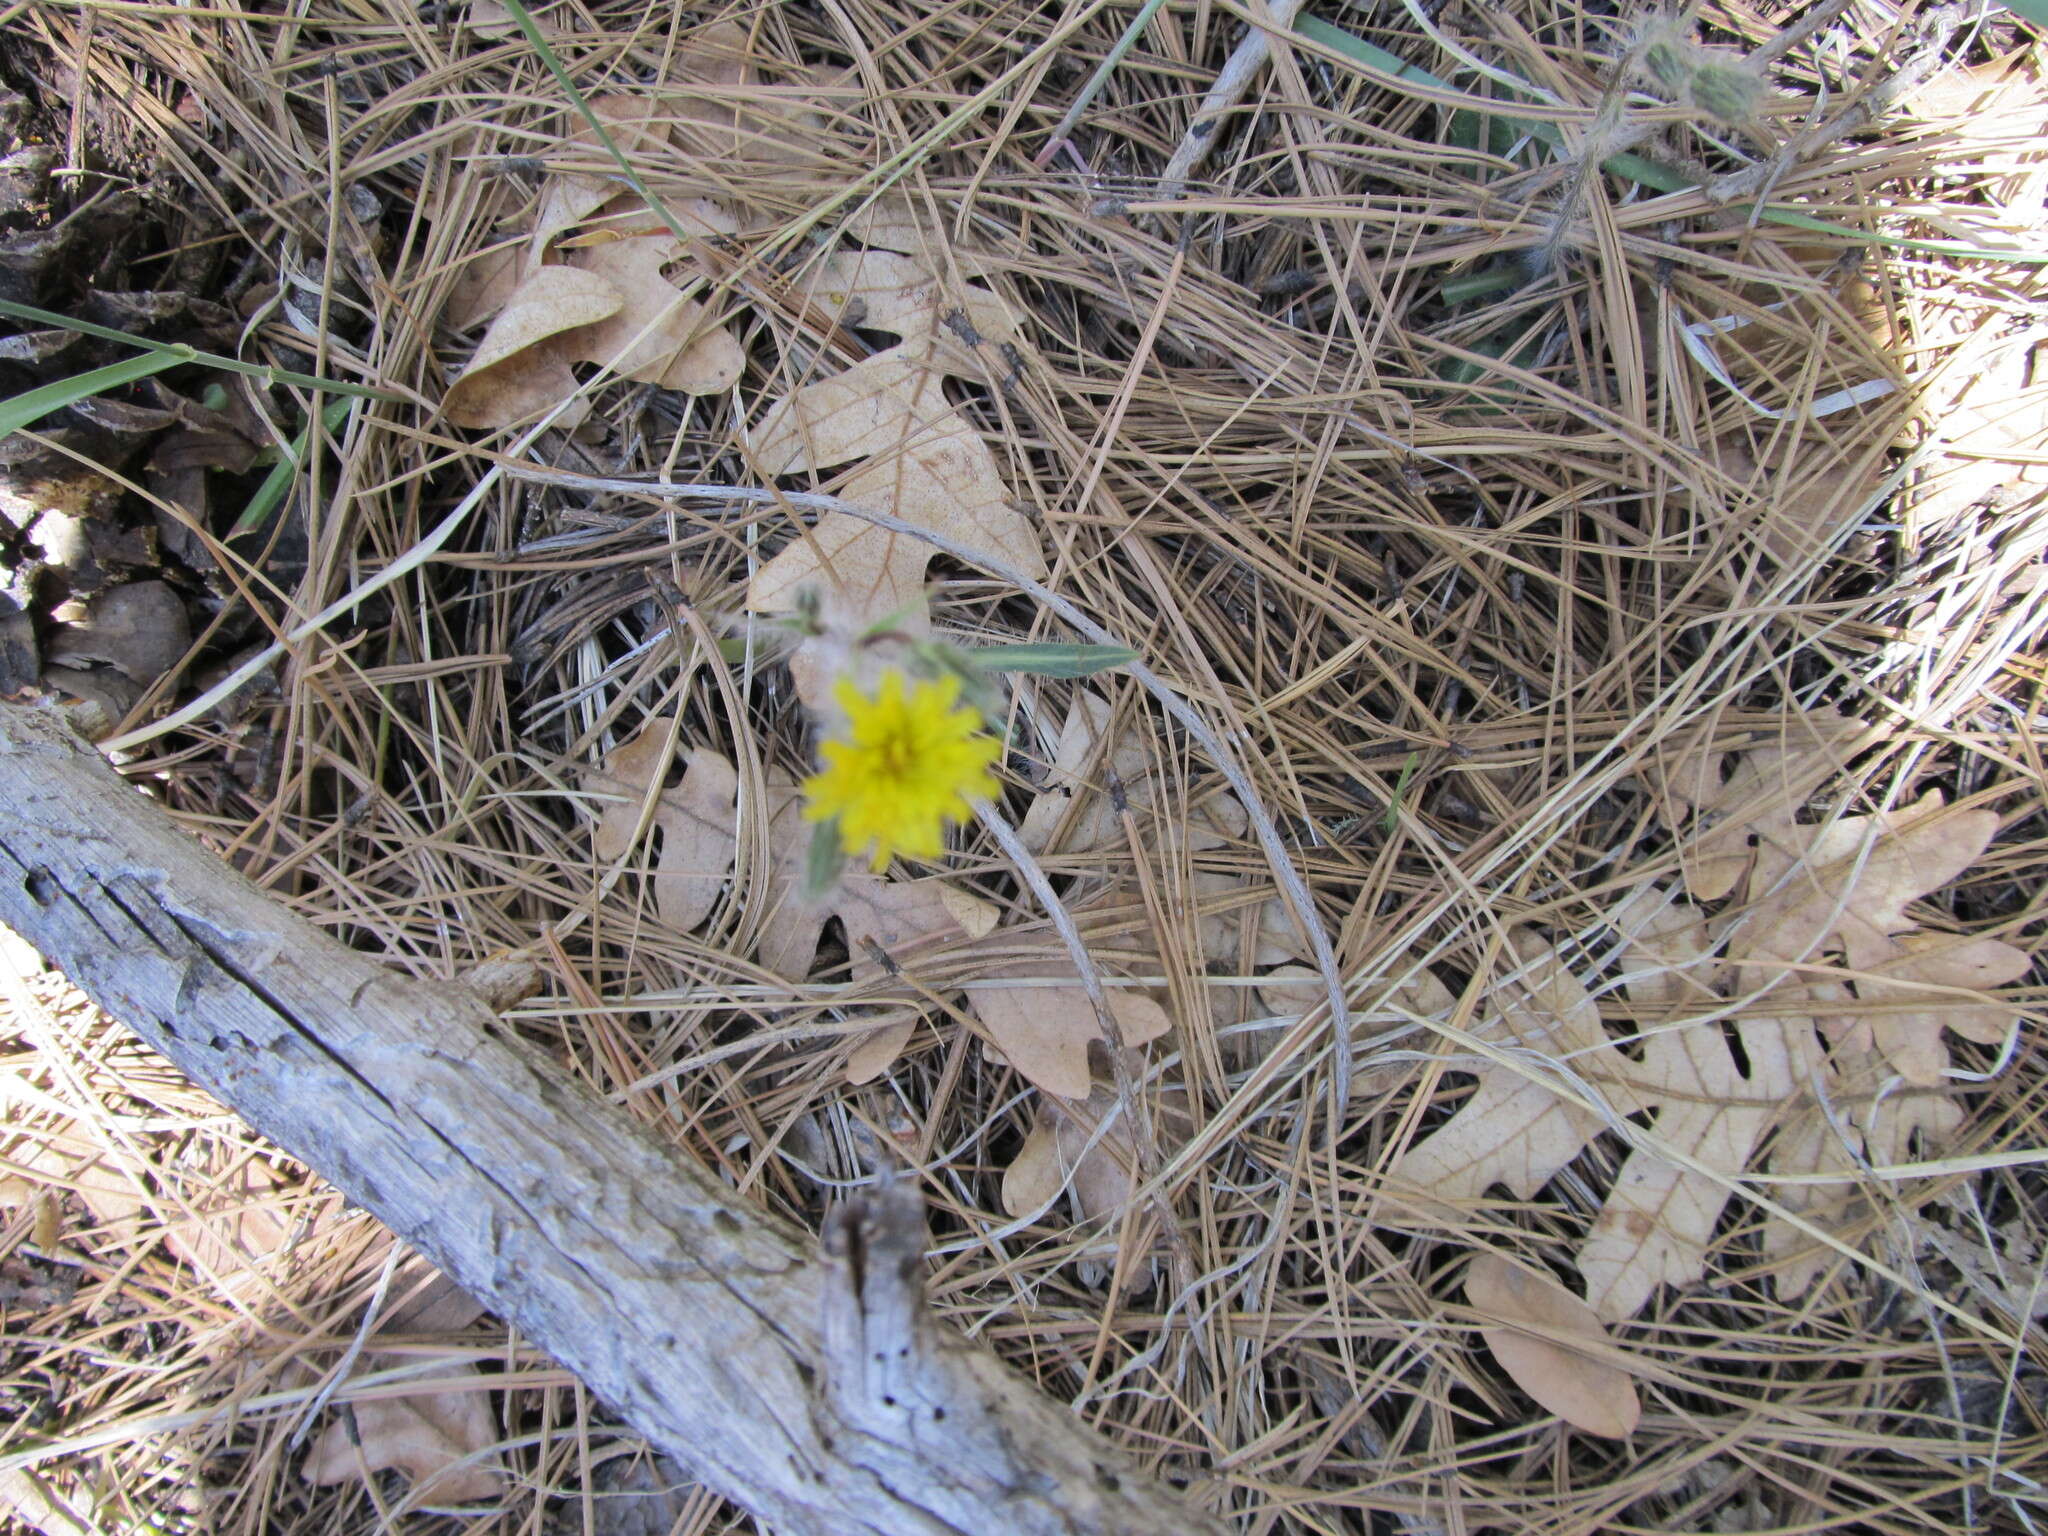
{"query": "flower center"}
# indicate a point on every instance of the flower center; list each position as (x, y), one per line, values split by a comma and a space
(896, 750)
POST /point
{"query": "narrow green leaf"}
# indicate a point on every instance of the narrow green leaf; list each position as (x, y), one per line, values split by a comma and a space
(539, 43)
(1393, 814)
(1372, 56)
(1477, 285)
(177, 351)
(938, 658)
(25, 409)
(279, 480)
(1052, 660)
(825, 858)
(2035, 11)
(1065, 127)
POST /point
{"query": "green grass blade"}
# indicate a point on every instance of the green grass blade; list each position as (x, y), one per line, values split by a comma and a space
(520, 14)
(1392, 817)
(2035, 11)
(823, 859)
(286, 470)
(1051, 659)
(1371, 55)
(178, 352)
(25, 409)
(1110, 62)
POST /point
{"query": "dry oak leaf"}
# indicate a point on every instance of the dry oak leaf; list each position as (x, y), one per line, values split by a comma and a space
(439, 1438)
(637, 124)
(227, 1223)
(108, 1182)
(423, 1436)
(1038, 1015)
(1239, 934)
(1657, 1222)
(1798, 501)
(610, 303)
(521, 367)
(1514, 1128)
(906, 918)
(429, 1302)
(485, 285)
(1978, 387)
(894, 222)
(923, 461)
(658, 335)
(1987, 418)
(650, 331)
(751, 132)
(1045, 1031)
(1071, 1150)
(493, 19)
(695, 821)
(1910, 998)
(1857, 1116)
(1822, 1060)
(908, 921)
(237, 1228)
(1836, 894)
(1842, 888)
(1551, 1343)
(1521, 1127)
(1063, 1153)
(1762, 793)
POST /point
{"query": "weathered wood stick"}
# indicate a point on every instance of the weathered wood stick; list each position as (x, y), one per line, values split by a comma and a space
(1231, 84)
(805, 1381)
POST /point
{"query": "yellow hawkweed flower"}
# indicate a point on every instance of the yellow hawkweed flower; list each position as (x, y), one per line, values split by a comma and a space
(907, 764)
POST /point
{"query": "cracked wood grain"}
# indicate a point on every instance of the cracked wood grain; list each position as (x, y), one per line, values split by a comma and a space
(806, 1382)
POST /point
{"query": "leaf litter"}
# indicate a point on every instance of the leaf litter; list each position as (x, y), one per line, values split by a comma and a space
(443, 1440)
(889, 925)
(1835, 994)
(913, 453)
(1462, 618)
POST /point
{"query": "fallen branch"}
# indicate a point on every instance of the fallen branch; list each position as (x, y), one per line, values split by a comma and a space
(806, 1382)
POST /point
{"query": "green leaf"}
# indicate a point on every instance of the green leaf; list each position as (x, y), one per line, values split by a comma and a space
(178, 352)
(935, 658)
(2035, 11)
(280, 478)
(768, 640)
(1393, 814)
(523, 18)
(1477, 285)
(26, 409)
(822, 864)
(1051, 660)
